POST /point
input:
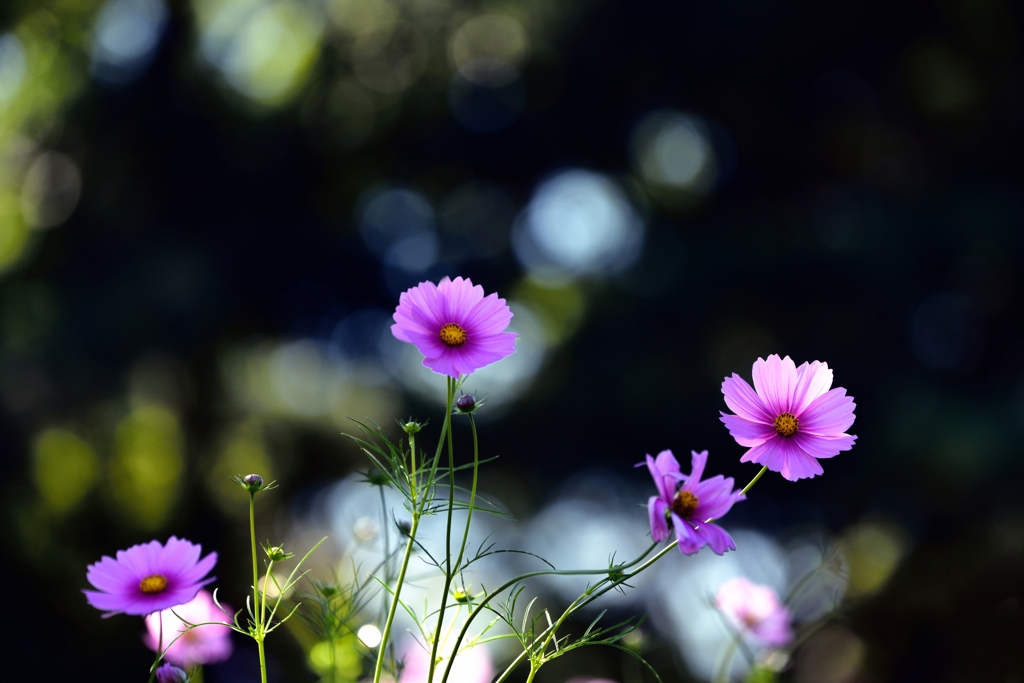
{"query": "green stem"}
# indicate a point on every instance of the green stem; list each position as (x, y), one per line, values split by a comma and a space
(753, 481)
(449, 572)
(564, 572)
(726, 666)
(256, 589)
(394, 601)
(263, 661)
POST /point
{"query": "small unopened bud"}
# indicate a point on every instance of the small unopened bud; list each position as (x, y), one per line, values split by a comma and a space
(168, 673)
(462, 596)
(466, 403)
(328, 590)
(377, 479)
(253, 482)
(277, 553)
(404, 527)
(411, 427)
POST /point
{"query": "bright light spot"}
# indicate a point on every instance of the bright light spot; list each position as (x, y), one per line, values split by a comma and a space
(370, 635)
(147, 465)
(365, 528)
(674, 150)
(12, 66)
(363, 17)
(51, 190)
(489, 49)
(873, 551)
(578, 222)
(305, 378)
(399, 225)
(64, 468)
(390, 63)
(264, 49)
(274, 583)
(125, 37)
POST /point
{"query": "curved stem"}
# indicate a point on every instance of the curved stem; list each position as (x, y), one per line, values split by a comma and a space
(563, 572)
(394, 601)
(449, 572)
(754, 480)
(726, 666)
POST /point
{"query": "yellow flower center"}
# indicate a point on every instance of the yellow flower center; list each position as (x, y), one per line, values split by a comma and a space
(453, 335)
(685, 503)
(151, 585)
(786, 424)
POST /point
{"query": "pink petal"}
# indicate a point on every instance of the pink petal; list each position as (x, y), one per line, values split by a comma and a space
(698, 461)
(656, 512)
(689, 541)
(716, 537)
(666, 462)
(488, 316)
(774, 381)
(813, 380)
(110, 576)
(460, 296)
(828, 415)
(742, 400)
(824, 446)
(745, 432)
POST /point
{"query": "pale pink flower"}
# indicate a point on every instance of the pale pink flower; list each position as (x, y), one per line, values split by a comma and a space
(755, 609)
(790, 418)
(197, 646)
(472, 665)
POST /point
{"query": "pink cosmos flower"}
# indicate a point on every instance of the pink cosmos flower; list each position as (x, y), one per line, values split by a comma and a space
(455, 327)
(790, 418)
(692, 506)
(197, 646)
(149, 577)
(755, 609)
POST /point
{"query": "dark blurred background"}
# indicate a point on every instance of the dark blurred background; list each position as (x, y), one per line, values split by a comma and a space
(208, 209)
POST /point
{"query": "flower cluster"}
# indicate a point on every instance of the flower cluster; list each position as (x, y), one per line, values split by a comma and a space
(789, 420)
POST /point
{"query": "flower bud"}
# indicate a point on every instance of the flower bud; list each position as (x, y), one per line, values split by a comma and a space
(168, 673)
(277, 553)
(466, 404)
(411, 427)
(252, 482)
(462, 596)
(404, 527)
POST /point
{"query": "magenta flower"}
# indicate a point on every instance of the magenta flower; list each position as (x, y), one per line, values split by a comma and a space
(197, 646)
(148, 578)
(790, 418)
(692, 506)
(168, 673)
(455, 327)
(755, 609)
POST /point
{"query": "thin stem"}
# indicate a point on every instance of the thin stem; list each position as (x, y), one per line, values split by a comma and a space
(754, 480)
(159, 649)
(448, 534)
(387, 555)
(256, 589)
(726, 666)
(394, 602)
(555, 572)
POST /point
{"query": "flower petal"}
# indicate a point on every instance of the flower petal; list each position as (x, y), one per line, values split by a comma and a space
(745, 432)
(716, 537)
(742, 400)
(813, 380)
(656, 512)
(689, 540)
(774, 381)
(697, 462)
(824, 446)
(829, 415)
(782, 455)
